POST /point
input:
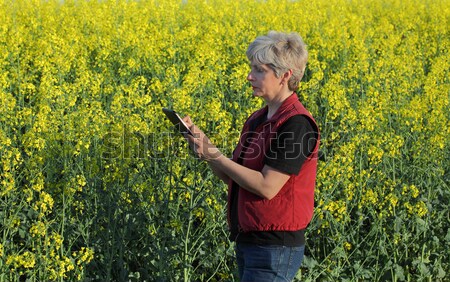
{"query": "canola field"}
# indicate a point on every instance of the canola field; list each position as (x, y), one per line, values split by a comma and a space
(95, 185)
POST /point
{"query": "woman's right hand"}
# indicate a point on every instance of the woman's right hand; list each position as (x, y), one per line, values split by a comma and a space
(200, 143)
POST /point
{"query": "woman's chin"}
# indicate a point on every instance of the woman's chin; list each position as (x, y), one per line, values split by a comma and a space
(256, 93)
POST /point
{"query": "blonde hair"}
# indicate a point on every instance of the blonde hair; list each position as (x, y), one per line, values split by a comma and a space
(281, 52)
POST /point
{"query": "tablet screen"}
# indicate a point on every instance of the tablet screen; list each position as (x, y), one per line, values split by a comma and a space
(177, 121)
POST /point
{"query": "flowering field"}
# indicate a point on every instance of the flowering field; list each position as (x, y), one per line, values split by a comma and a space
(95, 185)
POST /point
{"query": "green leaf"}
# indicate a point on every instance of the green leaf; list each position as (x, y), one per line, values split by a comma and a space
(399, 272)
(423, 268)
(447, 237)
(309, 262)
(441, 272)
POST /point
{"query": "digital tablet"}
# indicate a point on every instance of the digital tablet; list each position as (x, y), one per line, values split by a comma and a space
(177, 121)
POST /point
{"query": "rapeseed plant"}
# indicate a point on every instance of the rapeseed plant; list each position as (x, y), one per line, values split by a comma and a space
(95, 184)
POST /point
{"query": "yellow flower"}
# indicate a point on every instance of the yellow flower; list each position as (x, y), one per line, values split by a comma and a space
(347, 246)
(38, 229)
(73, 72)
(411, 190)
(45, 203)
(84, 255)
(421, 209)
(25, 260)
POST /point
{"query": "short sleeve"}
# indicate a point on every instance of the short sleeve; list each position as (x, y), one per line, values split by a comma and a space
(294, 142)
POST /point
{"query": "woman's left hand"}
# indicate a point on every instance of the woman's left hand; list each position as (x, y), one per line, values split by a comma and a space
(200, 143)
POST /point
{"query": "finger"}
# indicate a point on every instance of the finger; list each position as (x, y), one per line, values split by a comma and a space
(194, 142)
(191, 138)
(188, 121)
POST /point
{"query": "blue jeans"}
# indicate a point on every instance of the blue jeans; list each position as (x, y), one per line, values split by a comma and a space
(272, 263)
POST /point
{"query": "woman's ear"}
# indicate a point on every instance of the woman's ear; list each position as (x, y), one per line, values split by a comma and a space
(286, 76)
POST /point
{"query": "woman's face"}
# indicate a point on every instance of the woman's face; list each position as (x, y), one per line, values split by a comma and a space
(264, 82)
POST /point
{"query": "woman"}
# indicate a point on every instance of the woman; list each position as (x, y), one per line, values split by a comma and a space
(272, 173)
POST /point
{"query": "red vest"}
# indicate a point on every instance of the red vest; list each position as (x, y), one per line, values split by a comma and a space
(292, 208)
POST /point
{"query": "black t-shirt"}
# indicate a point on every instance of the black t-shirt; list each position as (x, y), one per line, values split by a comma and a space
(294, 142)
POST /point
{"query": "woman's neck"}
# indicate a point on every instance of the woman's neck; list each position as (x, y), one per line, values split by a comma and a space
(274, 104)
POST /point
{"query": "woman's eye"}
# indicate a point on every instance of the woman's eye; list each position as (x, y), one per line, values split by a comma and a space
(257, 69)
